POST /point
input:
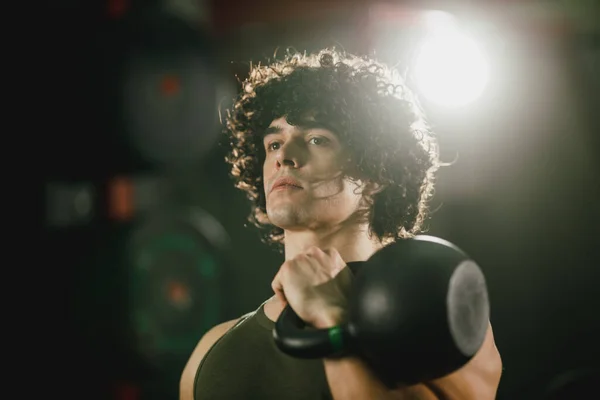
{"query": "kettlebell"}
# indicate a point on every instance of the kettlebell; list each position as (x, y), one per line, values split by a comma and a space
(418, 310)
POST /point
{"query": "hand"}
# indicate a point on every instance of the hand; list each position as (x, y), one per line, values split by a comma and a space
(316, 285)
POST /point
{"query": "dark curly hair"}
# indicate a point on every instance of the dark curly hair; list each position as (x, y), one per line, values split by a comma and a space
(370, 109)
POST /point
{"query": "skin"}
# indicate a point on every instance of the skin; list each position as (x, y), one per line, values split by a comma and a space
(323, 213)
(322, 233)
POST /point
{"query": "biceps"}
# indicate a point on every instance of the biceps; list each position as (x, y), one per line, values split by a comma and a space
(478, 379)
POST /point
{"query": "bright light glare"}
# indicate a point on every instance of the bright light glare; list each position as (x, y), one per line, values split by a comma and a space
(451, 70)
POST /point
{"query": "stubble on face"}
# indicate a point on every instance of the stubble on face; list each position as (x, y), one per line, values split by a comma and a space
(328, 203)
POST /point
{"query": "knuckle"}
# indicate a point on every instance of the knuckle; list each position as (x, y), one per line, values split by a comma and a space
(286, 267)
(313, 250)
(329, 251)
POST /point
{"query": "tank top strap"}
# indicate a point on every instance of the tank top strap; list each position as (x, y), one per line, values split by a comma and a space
(258, 312)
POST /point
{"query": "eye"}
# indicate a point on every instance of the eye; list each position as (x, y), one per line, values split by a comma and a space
(273, 146)
(317, 140)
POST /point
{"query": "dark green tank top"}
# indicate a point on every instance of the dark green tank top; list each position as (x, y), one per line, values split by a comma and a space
(246, 364)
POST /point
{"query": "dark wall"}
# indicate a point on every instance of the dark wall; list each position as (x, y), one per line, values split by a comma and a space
(521, 197)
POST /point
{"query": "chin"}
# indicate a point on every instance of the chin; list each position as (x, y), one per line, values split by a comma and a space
(286, 216)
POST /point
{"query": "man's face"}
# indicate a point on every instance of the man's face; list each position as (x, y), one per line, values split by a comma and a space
(318, 194)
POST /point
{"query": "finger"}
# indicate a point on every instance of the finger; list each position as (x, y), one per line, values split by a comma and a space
(281, 297)
(314, 262)
(329, 251)
(278, 283)
(335, 260)
(314, 251)
(278, 290)
(310, 261)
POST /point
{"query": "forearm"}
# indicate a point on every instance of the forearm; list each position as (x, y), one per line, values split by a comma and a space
(350, 378)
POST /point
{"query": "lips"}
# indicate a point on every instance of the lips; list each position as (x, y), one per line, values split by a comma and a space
(286, 181)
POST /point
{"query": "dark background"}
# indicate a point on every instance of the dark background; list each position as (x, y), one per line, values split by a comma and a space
(147, 232)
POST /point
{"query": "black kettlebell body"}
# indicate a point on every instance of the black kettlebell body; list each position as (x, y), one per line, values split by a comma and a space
(418, 309)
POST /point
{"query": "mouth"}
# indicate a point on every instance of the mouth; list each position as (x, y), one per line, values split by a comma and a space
(285, 187)
(286, 184)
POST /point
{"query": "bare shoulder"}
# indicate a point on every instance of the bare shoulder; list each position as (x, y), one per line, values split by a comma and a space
(188, 376)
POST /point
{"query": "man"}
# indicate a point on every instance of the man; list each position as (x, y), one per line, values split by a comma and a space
(338, 161)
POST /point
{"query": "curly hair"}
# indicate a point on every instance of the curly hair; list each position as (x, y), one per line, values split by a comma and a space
(367, 105)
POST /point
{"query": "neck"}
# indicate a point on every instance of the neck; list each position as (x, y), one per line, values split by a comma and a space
(353, 244)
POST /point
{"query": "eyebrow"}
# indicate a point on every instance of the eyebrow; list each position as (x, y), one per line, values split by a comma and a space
(303, 125)
(272, 130)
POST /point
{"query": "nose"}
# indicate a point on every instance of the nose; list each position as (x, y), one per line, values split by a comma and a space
(290, 154)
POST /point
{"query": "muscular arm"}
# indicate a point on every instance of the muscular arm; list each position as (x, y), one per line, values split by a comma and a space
(350, 379)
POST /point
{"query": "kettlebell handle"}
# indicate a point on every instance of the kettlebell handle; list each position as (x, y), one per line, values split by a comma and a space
(292, 337)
